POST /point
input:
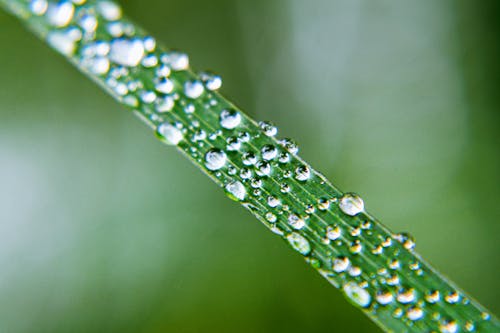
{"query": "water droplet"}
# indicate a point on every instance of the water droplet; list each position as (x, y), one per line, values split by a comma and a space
(271, 217)
(354, 271)
(62, 42)
(256, 182)
(392, 280)
(290, 145)
(60, 14)
(448, 326)
(165, 104)
(406, 296)
(394, 264)
(169, 133)
(109, 10)
(126, 52)
(215, 159)
(193, 89)
(147, 96)
(351, 204)
(249, 158)
(211, 80)
(245, 173)
(356, 247)
(233, 143)
(268, 128)
(452, 297)
(149, 61)
(357, 294)
(236, 190)
(263, 168)
(406, 239)
(269, 152)
(333, 232)
(164, 85)
(178, 61)
(299, 243)
(163, 71)
(340, 264)
(384, 297)
(323, 204)
(302, 173)
(296, 222)
(38, 7)
(284, 158)
(230, 118)
(415, 313)
(273, 201)
(432, 296)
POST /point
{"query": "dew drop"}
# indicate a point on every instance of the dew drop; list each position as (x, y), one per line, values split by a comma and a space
(164, 85)
(193, 89)
(340, 264)
(351, 204)
(60, 14)
(406, 296)
(302, 173)
(263, 168)
(357, 294)
(170, 134)
(236, 190)
(109, 10)
(299, 243)
(452, 297)
(233, 143)
(273, 201)
(296, 222)
(38, 7)
(230, 118)
(62, 42)
(333, 232)
(269, 152)
(212, 81)
(448, 326)
(165, 104)
(432, 296)
(268, 128)
(290, 145)
(384, 297)
(249, 158)
(99, 65)
(126, 52)
(415, 313)
(271, 217)
(215, 159)
(406, 239)
(178, 61)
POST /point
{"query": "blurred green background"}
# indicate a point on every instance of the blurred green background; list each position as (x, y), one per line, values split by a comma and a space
(104, 229)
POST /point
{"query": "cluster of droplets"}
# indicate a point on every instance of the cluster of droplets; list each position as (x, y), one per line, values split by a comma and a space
(254, 167)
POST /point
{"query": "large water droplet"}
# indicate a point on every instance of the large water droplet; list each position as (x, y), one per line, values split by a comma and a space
(351, 204)
(236, 190)
(215, 159)
(357, 294)
(230, 118)
(126, 52)
(299, 243)
(169, 133)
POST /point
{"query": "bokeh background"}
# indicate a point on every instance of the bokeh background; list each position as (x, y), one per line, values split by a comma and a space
(104, 229)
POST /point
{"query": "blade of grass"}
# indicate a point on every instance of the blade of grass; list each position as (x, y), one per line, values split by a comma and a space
(378, 271)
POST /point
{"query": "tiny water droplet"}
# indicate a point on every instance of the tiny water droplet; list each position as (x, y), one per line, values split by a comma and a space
(406, 239)
(333, 232)
(415, 313)
(178, 61)
(406, 296)
(60, 14)
(164, 85)
(448, 326)
(271, 217)
(215, 159)
(290, 145)
(38, 7)
(273, 201)
(351, 204)
(299, 243)
(269, 152)
(263, 168)
(109, 10)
